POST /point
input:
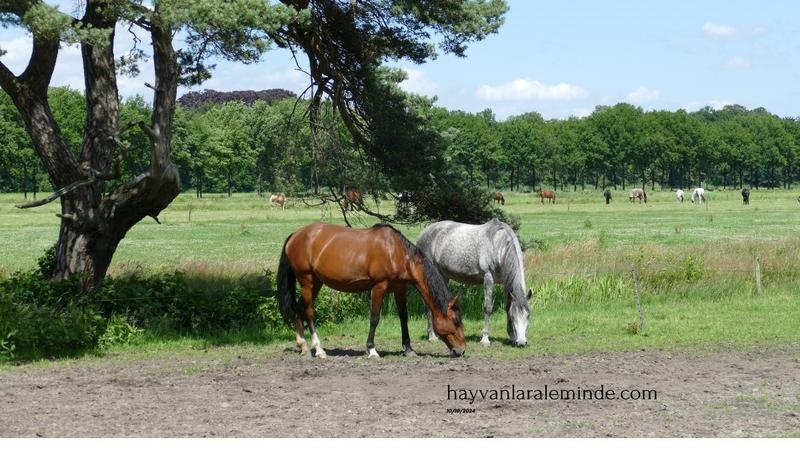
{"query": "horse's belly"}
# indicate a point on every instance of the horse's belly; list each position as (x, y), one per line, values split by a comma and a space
(471, 278)
(345, 285)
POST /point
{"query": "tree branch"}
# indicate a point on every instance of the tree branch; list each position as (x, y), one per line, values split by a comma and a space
(61, 192)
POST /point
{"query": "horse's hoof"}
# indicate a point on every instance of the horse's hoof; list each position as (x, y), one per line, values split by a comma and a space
(372, 353)
(321, 354)
(485, 342)
(410, 352)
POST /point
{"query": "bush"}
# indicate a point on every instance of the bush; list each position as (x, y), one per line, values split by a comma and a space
(197, 304)
(41, 319)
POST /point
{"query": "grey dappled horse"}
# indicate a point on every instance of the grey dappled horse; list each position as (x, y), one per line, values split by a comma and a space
(488, 254)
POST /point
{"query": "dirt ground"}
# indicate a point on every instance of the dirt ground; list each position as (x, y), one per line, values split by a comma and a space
(243, 393)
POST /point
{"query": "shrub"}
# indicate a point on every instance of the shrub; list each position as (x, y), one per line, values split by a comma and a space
(39, 318)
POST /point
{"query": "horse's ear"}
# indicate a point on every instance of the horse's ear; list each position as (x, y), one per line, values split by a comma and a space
(453, 302)
(530, 294)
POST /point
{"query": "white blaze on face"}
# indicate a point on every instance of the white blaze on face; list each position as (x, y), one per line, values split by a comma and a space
(520, 329)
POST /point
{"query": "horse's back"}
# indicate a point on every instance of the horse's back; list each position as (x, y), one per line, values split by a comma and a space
(347, 259)
(463, 252)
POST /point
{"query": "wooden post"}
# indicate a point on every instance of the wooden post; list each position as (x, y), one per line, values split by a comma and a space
(758, 274)
(638, 294)
(190, 212)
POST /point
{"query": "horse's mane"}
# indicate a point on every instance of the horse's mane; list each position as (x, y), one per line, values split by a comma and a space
(512, 252)
(436, 283)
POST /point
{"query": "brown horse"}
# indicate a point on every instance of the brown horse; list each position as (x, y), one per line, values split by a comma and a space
(352, 198)
(498, 198)
(379, 259)
(278, 198)
(637, 193)
(549, 195)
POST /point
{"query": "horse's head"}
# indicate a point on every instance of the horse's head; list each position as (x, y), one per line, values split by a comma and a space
(449, 328)
(518, 311)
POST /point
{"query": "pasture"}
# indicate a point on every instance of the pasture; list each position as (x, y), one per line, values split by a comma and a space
(705, 324)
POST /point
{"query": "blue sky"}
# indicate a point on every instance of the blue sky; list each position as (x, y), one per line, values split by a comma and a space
(564, 58)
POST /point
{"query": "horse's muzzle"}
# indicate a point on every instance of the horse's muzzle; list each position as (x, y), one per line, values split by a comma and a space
(456, 352)
(520, 343)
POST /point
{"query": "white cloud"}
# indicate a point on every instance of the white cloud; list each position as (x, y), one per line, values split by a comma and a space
(644, 95)
(18, 51)
(582, 112)
(718, 31)
(418, 83)
(738, 62)
(526, 89)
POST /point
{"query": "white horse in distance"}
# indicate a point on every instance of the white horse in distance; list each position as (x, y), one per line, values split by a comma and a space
(699, 195)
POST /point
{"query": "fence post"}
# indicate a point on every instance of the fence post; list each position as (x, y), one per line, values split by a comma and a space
(190, 212)
(758, 274)
(638, 294)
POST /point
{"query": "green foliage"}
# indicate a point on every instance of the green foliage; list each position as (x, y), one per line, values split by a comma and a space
(119, 331)
(47, 262)
(39, 318)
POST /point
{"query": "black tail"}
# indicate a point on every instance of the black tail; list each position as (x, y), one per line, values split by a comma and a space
(287, 298)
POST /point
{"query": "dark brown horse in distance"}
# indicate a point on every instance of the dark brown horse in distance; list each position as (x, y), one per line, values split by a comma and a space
(549, 195)
(498, 198)
(379, 259)
(607, 196)
(352, 198)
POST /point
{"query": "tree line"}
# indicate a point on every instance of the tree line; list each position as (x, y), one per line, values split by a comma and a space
(269, 146)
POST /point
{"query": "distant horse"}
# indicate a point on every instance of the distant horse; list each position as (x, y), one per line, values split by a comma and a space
(498, 198)
(699, 195)
(379, 259)
(746, 196)
(607, 195)
(278, 198)
(404, 198)
(549, 195)
(679, 195)
(637, 193)
(352, 199)
(487, 254)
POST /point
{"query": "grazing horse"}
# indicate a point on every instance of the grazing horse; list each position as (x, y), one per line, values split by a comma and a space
(607, 195)
(549, 195)
(679, 195)
(278, 198)
(637, 193)
(746, 196)
(699, 195)
(498, 198)
(404, 198)
(352, 198)
(379, 259)
(482, 254)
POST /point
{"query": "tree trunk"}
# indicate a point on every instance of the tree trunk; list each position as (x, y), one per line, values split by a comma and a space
(92, 222)
(230, 181)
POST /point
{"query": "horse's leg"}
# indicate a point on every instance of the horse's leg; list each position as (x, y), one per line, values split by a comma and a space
(299, 336)
(488, 288)
(431, 334)
(315, 342)
(402, 311)
(307, 296)
(378, 291)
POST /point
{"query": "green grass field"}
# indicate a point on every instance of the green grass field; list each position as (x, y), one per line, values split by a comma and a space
(695, 265)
